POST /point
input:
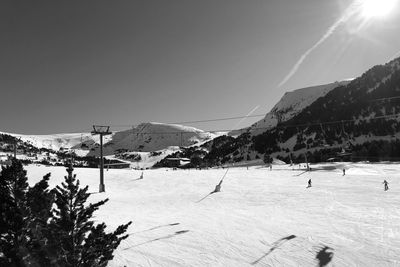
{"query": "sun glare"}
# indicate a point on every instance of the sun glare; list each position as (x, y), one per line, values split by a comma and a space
(377, 8)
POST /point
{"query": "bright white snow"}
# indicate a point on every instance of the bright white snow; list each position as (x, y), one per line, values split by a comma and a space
(260, 217)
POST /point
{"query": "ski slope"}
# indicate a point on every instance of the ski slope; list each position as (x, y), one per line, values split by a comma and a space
(147, 160)
(57, 141)
(154, 136)
(260, 217)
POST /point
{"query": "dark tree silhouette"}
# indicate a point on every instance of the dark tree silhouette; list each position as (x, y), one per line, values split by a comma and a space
(24, 213)
(32, 233)
(79, 241)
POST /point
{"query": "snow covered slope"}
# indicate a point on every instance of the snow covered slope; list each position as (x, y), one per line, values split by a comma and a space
(291, 104)
(146, 137)
(57, 141)
(153, 136)
(144, 160)
(260, 217)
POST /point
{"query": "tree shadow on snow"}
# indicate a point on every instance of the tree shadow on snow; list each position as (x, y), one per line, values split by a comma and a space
(326, 168)
(324, 256)
(198, 201)
(154, 228)
(301, 173)
(160, 238)
(275, 245)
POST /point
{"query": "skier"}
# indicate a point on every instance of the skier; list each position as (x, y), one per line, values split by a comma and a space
(270, 167)
(344, 171)
(386, 185)
(141, 176)
(309, 183)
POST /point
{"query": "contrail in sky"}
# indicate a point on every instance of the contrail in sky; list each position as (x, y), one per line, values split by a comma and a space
(348, 13)
(251, 112)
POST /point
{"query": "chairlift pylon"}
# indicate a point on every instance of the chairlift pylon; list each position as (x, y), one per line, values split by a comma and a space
(348, 144)
(324, 142)
(346, 148)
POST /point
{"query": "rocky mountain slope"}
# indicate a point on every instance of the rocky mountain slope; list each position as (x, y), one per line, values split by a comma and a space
(291, 104)
(364, 111)
(352, 120)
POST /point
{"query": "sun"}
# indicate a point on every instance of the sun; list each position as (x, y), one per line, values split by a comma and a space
(376, 8)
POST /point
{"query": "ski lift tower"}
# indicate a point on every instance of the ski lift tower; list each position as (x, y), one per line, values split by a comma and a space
(15, 148)
(15, 145)
(102, 131)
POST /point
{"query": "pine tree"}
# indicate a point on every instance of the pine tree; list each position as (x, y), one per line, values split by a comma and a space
(267, 159)
(34, 234)
(40, 200)
(24, 213)
(14, 213)
(78, 241)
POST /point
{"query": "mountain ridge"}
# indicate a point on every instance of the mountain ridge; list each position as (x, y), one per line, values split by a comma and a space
(291, 104)
(358, 120)
(145, 137)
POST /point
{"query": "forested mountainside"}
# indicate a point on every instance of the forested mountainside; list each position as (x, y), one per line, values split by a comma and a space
(358, 120)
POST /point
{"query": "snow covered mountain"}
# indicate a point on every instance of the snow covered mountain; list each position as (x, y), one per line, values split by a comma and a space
(81, 143)
(363, 115)
(56, 141)
(146, 137)
(357, 119)
(318, 120)
(153, 136)
(291, 104)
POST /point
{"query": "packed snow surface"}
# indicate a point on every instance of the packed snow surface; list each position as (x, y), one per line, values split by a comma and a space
(261, 217)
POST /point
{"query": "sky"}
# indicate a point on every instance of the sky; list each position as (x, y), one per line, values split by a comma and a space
(67, 65)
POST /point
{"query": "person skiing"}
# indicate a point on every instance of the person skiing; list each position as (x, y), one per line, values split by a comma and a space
(386, 185)
(309, 183)
(344, 171)
(141, 176)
